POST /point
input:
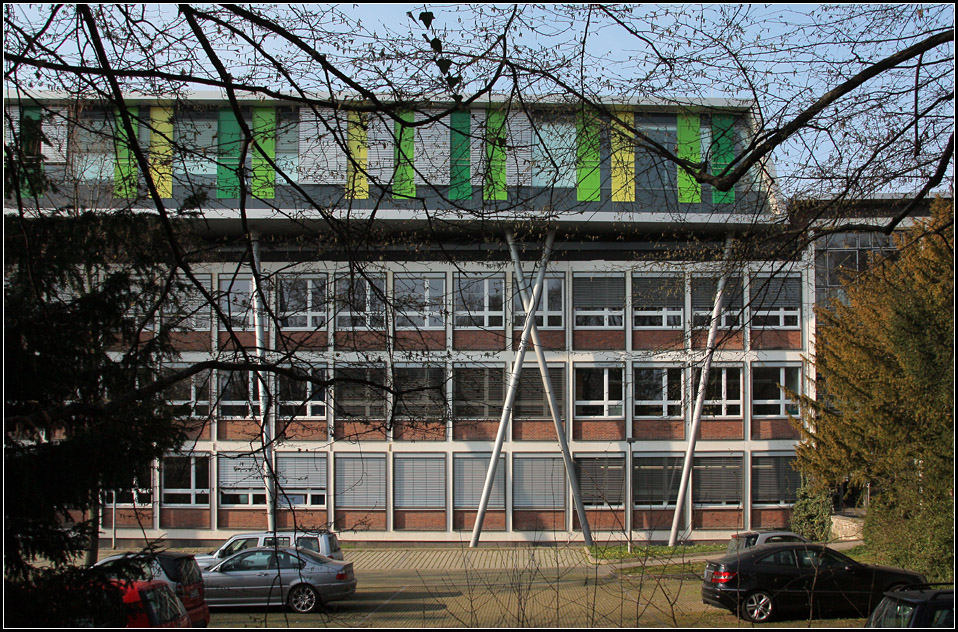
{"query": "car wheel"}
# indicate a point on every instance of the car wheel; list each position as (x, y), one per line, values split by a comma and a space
(303, 598)
(757, 607)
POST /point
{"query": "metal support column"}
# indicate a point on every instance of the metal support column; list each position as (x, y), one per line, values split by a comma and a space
(530, 308)
(700, 395)
(510, 395)
(258, 303)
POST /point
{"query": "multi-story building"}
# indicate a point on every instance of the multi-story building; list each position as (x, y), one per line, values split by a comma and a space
(428, 306)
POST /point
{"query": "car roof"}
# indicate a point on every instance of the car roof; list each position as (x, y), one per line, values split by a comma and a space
(922, 595)
(298, 532)
(761, 549)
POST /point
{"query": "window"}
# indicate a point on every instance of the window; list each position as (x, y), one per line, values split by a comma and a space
(236, 302)
(478, 392)
(301, 480)
(238, 394)
(531, 401)
(478, 301)
(658, 302)
(94, 133)
(539, 482)
(189, 397)
(419, 481)
(601, 480)
(469, 477)
(723, 393)
(657, 391)
(768, 396)
(185, 480)
(138, 494)
(599, 392)
(774, 481)
(420, 392)
(551, 309)
(360, 302)
(717, 480)
(420, 301)
(194, 135)
(301, 397)
(598, 302)
(361, 481)
(241, 479)
(656, 480)
(360, 393)
(776, 301)
(302, 302)
(703, 301)
(187, 308)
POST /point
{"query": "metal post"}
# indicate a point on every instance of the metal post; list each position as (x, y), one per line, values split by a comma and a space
(269, 480)
(530, 308)
(700, 395)
(510, 397)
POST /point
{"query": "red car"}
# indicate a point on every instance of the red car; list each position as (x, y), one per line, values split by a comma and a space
(152, 604)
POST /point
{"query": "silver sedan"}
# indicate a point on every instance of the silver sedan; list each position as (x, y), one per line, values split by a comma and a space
(267, 576)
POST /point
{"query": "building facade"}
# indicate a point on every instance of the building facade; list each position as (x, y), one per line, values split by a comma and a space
(383, 263)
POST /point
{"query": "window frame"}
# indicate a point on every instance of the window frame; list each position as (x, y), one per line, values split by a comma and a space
(345, 490)
(372, 397)
(310, 402)
(371, 315)
(139, 495)
(760, 286)
(199, 407)
(785, 406)
(469, 470)
(289, 489)
(665, 403)
(316, 316)
(607, 403)
(594, 492)
(526, 493)
(657, 463)
(488, 392)
(786, 483)
(251, 403)
(196, 313)
(730, 316)
(489, 317)
(664, 313)
(244, 322)
(725, 403)
(430, 312)
(612, 318)
(427, 478)
(255, 489)
(421, 392)
(721, 466)
(546, 317)
(195, 491)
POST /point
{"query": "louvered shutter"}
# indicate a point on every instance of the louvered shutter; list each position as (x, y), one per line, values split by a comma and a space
(432, 151)
(656, 480)
(657, 292)
(703, 293)
(361, 481)
(598, 292)
(381, 138)
(554, 153)
(531, 401)
(601, 480)
(419, 481)
(238, 471)
(776, 293)
(519, 153)
(469, 478)
(774, 481)
(301, 471)
(539, 482)
(717, 480)
(478, 392)
(322, 142)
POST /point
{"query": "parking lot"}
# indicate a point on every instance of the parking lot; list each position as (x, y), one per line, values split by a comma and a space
(504, 587)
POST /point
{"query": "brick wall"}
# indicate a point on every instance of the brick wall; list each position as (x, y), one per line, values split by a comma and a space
(654, 519)
(773, 429)
(478, 340)
(589, 340)
(127, 517)
(601, 519)
(771, 518)
(658, 430)
(247, 340)
(302, 519)
(237, 429)
(184, 518)
(191, 340)
(658, 339)
(465, 520)
(426, 340)
(551, 339)
(247, 519)
(372, 430)
(717, 519)
(290, 340)
(360, 520)
(733, 340)
(196, 429)
(419, 520)
(776, 338)
(474, 430)
(360, 340)
(537, 520)
(533, 430)
(719, 429)
(598, 429)
(407, 430)
(302, 429)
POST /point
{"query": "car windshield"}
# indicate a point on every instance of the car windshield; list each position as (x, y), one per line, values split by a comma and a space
(892, 613)
(314, 556)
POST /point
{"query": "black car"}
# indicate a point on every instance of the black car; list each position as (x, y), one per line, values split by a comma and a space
(807, 579)
(915, 607)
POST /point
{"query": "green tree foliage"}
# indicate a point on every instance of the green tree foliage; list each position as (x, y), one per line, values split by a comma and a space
(812, 515)
(885, 416)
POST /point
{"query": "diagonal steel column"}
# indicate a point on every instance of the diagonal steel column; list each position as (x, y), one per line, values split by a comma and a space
(700, 395)
(510, 395)
(258, 295)
(530, 307)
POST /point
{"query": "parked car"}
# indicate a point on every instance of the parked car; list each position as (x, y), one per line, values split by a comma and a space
(915, 607)
(152, 604)
(323, 542)
(267, 576)
(179, 570)
(760, 582)
(748, 539)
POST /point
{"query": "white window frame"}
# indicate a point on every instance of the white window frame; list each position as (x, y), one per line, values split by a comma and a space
(546, 317)
(661, 463)
(490, 316)
(251, 403)
(774, 462)
(372, 397)
(775, 317)
(718, 461)
(728, 400)
(468, 475)
(351, 492)
(369, 310)
(200, 386)
(419, 481)
(595, 493)
(608, 402)
(664, 317)
(195, 314)
(610, 318)
(730, 317)
(314, 404)
(196, 490)
(525, 493)
(420, 400)
(302, 488)
(420, 309)
(784, 405)
(253, 492)
(313, 316)
(236, 303)
(140, 495)
(493, 409)
(667, 406)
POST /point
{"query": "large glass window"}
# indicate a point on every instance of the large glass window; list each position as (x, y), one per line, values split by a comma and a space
(419, 481)
(550, 312)
(601, 480)
(531, 401)
(768, 394)
(302, 302)
(723, 392)
(301, 397)
(420, 301)
(478, 301)
(361, 481)
(301, 479)
(717, 480)
(658, 302)
(656, 480)
(598, 301)
(776, 301)
(360, 302)
(189, 397)
(185, 480)
(469, 476)
(187, 308)
(657, 391)
(140, 491)
(599, 392)
(539, 482)
(704, 290)
(478, 392)
(241, 479)
(360, 392)
(420, 392)
(238, 394)
(236, 302)
(774, 481)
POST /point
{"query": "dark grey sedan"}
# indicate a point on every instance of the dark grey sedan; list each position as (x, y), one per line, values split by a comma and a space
(267, 576)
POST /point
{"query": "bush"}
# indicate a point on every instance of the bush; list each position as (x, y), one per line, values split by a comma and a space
(812, 515)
